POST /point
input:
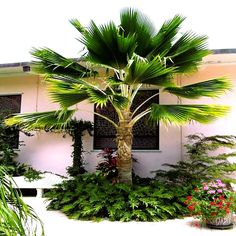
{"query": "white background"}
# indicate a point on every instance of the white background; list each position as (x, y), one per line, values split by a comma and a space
(25, 24)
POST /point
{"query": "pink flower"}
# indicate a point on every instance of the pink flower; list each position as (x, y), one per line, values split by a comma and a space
(219, 190)
(221, 185)
(211, 191)
(214, 185)
(205, 187)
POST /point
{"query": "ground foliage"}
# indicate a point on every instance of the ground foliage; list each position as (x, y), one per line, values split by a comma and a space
(91, 196)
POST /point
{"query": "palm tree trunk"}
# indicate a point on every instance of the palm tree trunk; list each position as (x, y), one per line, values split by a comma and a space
(124, 139)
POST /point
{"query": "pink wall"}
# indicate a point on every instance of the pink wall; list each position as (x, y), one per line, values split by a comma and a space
(43, 151)
(52, 152)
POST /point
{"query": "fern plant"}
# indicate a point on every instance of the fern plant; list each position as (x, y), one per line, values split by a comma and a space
(91, 196)
(203, 162)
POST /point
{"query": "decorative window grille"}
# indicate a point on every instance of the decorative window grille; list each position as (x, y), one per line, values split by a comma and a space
(145, 136)
(10, 104)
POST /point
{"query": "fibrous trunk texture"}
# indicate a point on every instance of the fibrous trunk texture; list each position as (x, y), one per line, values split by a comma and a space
(124, 140)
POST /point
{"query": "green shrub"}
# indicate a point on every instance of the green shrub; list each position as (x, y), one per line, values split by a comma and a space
(202, 163)
(91, 196)
(31, 174)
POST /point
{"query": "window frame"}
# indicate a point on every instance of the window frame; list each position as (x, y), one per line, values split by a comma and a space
(16, 147)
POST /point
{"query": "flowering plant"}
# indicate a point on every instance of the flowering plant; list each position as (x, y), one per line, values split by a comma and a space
(108, 164)
(211, 200)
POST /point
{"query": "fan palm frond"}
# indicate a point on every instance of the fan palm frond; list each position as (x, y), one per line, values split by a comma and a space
(41, 120)
(163, 40)
(133, 22)
(66, 93)
(98, 97)
(106, 46)
(211, 88)
(187, 52)
(50, 62)
(182, 114)
(149, 72)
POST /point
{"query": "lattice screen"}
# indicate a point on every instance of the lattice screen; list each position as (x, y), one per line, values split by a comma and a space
(145, 136)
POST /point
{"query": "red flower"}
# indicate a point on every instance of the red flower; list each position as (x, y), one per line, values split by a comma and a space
(191, 208)
(113, 161)
(196, 189)
(212, 203)
(189, 198)
(214, 213)
(228, 204)
(222, 198)
(227, 210)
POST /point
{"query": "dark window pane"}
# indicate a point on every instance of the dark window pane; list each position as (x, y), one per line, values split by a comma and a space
(145, 136)
(10, 104)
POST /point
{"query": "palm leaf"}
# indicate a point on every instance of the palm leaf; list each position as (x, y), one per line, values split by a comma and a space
(153, 72)
(165, 37)
(16, 217)
(182, 114)
(50, 62)
(42, 120)
(106, 46)
(119, 101)
(67, 93)
(135, 23)
(98, 97)
(187, 52)
(211, 88)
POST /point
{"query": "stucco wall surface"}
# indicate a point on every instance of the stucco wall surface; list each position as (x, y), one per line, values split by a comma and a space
(51, 152)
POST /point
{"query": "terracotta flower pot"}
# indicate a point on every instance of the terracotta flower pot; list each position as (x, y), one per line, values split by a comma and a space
(221, 222)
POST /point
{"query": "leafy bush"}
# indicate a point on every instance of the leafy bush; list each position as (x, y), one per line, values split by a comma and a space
(91, 196)
(202, 164)
(31, 174)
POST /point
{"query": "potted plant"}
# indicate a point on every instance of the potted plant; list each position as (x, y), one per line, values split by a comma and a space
(214, 204)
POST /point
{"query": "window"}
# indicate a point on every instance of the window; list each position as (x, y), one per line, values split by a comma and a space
(146, 137)
(10, 104)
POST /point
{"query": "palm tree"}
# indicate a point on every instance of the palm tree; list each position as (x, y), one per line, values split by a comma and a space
(138, 55)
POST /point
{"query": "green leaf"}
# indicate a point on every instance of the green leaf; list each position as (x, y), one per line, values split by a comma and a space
(106, 46)
(41, 120)
(50, 62)
(98, 97)
(187, 52)
(211, 88)
(148, 72)
(182, 114)
(165, 37)
(135, 23)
